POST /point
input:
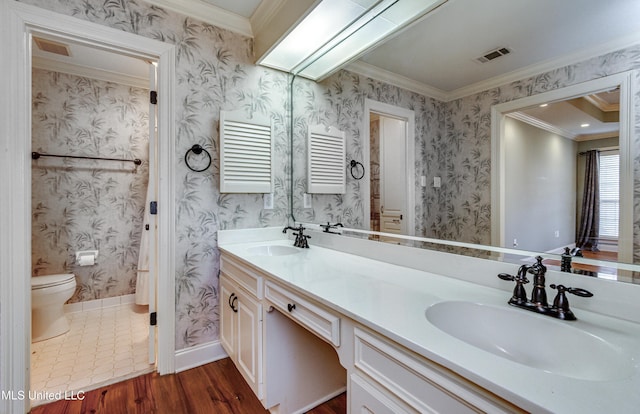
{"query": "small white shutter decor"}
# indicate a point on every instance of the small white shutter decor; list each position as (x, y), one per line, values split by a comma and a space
(326, 169)
(245, 153)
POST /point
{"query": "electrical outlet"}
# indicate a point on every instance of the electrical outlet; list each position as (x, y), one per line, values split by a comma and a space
(423, 181)
(306, 200)
(557, 234)
(437, 182)
(268, 201)
(515, 242)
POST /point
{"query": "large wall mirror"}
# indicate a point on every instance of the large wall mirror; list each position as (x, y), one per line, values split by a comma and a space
(465, 87)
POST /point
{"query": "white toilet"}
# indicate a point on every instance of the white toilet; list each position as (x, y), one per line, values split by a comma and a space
(48, 296)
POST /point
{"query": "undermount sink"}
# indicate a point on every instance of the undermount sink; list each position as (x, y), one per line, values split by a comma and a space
(532, 340)
(272, 250)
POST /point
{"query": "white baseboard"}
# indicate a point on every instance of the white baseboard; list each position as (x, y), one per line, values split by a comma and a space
(199, 355)
(99, 303)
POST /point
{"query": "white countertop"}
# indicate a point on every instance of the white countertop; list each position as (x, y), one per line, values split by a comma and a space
(392, 300)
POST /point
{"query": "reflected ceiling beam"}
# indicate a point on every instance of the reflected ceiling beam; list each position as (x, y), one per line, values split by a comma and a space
(592, 137)
(604, 105)
(590, 109)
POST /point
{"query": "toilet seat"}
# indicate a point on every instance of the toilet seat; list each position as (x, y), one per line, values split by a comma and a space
(41, 282)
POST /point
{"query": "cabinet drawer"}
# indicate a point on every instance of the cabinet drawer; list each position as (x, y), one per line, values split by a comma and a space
(421, 384)
(365, 397)
(242, 275)
(319, 321)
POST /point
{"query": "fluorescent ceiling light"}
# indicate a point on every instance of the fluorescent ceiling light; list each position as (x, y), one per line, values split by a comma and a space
(338, 31)
(584, 125)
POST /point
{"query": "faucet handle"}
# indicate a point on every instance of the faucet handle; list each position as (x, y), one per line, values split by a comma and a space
(561, 304)
(579, 292)
(519, 295)
(519, 278)
(575, 291)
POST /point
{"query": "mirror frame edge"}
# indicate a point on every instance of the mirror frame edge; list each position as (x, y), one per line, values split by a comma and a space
(625, 80)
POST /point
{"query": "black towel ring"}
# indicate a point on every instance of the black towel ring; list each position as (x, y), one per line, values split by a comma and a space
(354, 164)
(196, 149)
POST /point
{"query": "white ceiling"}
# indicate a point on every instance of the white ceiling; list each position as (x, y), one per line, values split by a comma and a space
(244, 8)
(440, 50)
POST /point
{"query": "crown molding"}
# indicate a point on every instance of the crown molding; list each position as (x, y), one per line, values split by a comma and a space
(524, 73)
(265, 13)
(89, 72)
(208, 13)
(542, 125)
(391, 78)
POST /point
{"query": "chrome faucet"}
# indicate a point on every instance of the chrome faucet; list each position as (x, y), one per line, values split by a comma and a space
(538, 303)
(301, 238)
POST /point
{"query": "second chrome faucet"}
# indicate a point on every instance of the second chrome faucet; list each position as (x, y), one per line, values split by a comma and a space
(538, 303)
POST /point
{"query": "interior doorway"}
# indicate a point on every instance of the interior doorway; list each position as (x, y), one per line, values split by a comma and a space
(94, 104)
(22, 22)
(389, 197)
(389, 207)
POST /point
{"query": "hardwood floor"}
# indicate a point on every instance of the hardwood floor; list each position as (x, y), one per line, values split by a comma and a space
(215, 388)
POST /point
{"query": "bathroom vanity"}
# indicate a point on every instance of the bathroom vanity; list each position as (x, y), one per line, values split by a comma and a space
(406, 330)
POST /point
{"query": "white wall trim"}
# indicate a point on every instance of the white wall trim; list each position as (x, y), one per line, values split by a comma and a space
(409, 116)
(208, 13)
(88, 305)
(19, 22)
(199, 355)
(498, 113)
(520, 116)
(89, 72)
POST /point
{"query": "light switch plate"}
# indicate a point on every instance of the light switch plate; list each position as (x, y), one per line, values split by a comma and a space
(437, 182)
(268, 201)
(306, 200)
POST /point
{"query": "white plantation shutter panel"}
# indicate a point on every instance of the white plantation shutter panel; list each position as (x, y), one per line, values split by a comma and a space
(609, 194)
(245, 153)
(326, 170)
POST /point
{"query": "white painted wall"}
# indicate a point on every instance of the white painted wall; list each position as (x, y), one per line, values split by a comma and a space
(540, 184)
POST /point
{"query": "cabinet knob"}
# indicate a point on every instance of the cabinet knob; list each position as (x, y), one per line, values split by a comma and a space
(291, 306)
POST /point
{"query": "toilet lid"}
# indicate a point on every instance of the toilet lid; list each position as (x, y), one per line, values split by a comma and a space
(39, 282)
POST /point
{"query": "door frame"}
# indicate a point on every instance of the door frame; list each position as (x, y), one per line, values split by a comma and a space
(19, 22)
(407, 115)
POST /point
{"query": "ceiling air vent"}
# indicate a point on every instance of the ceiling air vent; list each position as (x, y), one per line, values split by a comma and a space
(494, 54)
(50, 46)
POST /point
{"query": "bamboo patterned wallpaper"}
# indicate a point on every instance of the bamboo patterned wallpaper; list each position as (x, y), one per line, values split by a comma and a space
(82, 204)
(215, 71)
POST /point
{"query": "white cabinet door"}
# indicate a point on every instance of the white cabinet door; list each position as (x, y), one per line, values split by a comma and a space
(249, 346)
(228, 324)
(241, 331)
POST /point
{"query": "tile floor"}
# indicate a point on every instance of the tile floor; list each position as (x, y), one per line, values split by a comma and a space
(103, 346)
